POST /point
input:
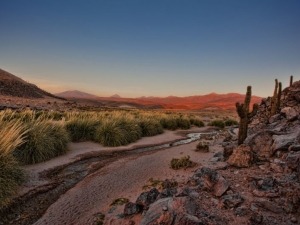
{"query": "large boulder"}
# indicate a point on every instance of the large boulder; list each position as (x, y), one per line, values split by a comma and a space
(242, 156)
(166, 210)
(260, 144)
(283, 142)
(290, 113)
(147, 198)
(210, 180)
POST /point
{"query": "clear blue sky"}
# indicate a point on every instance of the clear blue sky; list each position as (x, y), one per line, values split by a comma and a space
(151, 47)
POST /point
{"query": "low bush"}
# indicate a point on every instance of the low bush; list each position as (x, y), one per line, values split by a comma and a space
(183, 162)
(230, 122)
(183, 122)
(217, 123)
(197, 122)
(45, 140)
(169, 123)
(202, 147)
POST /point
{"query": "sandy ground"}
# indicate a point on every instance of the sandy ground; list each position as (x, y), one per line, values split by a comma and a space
(122, 178)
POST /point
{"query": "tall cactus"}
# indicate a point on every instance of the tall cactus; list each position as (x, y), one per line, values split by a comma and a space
(245, 115)
(275, 101)
(291, 80)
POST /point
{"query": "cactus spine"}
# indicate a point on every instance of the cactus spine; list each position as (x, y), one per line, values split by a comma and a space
(245, 115)
(275, 101)
(291, 80)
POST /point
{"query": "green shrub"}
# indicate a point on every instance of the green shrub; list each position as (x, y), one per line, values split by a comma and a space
(150, 127)
(217, 123)
(202, 147)
(11, 175)
(183, 162)
(82, 129)
(45, 140)
(230, 122)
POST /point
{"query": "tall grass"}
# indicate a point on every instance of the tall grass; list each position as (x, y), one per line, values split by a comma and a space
(45, 139)
(11, 175)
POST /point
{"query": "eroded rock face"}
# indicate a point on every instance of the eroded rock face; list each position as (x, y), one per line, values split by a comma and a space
(242, 156)
(132, 208)
(289, 113)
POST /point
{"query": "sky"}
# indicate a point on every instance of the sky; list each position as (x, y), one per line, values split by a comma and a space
(151, 47)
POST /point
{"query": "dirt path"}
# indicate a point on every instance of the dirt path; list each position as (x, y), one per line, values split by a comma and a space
(122, 178)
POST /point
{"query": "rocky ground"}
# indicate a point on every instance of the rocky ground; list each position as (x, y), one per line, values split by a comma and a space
(254, 183)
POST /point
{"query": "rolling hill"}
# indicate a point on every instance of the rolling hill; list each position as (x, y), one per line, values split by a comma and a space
(11, 85)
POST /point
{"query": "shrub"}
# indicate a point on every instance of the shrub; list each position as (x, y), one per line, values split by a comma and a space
(45, 140)
(169, 123)
(217, 123)
(230, 122)
(82, 129)
(202, 147)
(11, 175)
(183, 122)
(183, 162)
(197, 122)
(150, 127)
(117, 132)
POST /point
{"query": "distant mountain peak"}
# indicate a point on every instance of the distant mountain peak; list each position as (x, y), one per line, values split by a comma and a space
(76, 94)
(115, 96)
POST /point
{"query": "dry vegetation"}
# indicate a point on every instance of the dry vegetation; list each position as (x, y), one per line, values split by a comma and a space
(29, 137)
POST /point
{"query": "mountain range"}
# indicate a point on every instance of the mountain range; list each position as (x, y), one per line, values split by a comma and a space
(11, 85)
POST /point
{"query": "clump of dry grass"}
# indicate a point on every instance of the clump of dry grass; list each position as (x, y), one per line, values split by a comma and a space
(183, 162)
(202, 147)
(11, 175)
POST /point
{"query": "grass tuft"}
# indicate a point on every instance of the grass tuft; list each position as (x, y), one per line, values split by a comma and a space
(183, 162)
(45, 140)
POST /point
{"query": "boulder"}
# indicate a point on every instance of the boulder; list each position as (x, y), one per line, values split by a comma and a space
(232, 200)
(210, 180)
(293, 160)
(164, 211)
(283, 142)
(148, 197)
(242, 156)
(290, 113)
(260, 144)
(132, 208)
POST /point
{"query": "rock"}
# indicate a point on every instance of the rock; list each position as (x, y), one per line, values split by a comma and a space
(132, 208)
(168, 192)
(241, 211)
(294, 219)
(283, 142)
(175, 206)
(210, 180)
(148, 197)
(295, 148)
(232, 200)
(186, 219)
(256, 218)
(228, 150)
(266, 184)
(277, 167)
(268, 205)
(260, 143)
(293, 160)
(188, 192)
(242, 156)
(289, 113)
